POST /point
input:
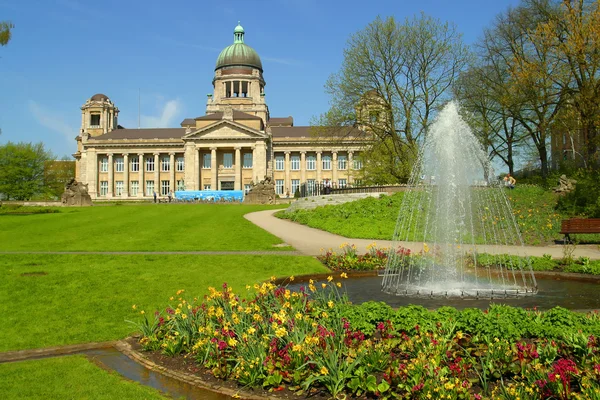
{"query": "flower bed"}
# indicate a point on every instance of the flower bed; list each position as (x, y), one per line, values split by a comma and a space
(314, 341)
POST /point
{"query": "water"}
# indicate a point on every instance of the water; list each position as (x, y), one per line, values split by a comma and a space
(454, 202)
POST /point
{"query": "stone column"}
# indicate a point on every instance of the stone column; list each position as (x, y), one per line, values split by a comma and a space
(125, 175)
(255, 179)
(198, 164)
(142, 183)
(287, 188)
(237, 184)
(111, 174)
(302, 167)
(213, 169)
(319, 166)
(157, 173)
(334, 167)
(172, 172)
(92, 173)
(350, 165)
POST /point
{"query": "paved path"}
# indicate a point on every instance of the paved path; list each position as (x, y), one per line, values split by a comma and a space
(313, 241)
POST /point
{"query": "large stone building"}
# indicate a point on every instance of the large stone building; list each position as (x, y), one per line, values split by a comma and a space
(237, 143)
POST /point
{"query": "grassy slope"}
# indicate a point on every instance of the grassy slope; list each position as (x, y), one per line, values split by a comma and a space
(376, 218)
(67, 378)
(158, 227)
(89, 298)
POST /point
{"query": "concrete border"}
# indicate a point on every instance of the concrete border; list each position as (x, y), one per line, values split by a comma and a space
(22, 355)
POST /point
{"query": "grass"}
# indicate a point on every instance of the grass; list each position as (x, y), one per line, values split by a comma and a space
(67, 378)
(375, 218)
(156, 227)
(50, 300)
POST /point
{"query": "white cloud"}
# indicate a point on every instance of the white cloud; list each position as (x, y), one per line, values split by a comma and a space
(167, 115)
(52, 120)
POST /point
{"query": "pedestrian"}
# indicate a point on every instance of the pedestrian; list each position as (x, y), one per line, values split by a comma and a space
(509, 181)
(154, 196)
(327, 186)
(170, 196)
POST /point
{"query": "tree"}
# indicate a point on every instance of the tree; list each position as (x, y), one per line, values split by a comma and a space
(57, 173)
(393, 80)
(22, 170)
(5, 32)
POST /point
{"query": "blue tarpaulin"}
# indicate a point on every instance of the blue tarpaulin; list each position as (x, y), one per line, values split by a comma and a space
(210, 195)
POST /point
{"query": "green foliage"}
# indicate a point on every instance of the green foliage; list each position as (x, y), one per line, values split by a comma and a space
(22, 170)
(585, 199)
(5, 32)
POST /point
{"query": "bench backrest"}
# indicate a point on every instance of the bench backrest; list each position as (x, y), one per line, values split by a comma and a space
(580, 224)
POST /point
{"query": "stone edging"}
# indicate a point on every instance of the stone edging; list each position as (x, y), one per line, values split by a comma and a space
(125, 348)
(21, 355)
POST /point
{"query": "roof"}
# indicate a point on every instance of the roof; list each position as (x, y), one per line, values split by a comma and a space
(237, 115)
(284, 121)
(314, 131)
(146, 133)
(99, 97)
(188, 122)
(239, 53)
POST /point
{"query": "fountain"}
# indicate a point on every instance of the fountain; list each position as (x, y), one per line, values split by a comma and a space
(457, 208)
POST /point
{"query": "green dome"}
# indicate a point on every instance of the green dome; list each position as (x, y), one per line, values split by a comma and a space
(239, 53)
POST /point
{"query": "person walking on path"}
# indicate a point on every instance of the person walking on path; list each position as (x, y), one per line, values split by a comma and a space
(154, 196)
(170, 196)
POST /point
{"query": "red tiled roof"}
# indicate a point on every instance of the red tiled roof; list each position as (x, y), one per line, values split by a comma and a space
(314, 132)
(146, 133)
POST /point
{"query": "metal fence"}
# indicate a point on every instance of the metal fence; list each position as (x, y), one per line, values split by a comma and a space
(308, 189)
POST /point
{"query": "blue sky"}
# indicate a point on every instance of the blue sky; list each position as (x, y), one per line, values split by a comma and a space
(65, 51)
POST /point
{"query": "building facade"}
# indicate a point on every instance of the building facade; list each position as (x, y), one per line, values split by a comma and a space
(235, 144)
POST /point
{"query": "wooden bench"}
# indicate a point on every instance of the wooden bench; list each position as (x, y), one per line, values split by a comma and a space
(579, 225)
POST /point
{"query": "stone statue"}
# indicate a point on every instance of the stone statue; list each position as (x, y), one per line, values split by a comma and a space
(261, 193)
(76, 194)
(565, 185)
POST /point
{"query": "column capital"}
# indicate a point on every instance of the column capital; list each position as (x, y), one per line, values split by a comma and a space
(237, 148)
(156, 153)
(350, 152)
(125, 154)
(140, 154)
(213, 149)
(303, 152)
(287, 152)
(109, 154)
(334, 152)
(319, 151)
(172, 153)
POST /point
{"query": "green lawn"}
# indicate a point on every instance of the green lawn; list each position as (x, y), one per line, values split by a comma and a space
(375, 218)
(159, 227)
(49, 300)
(72, 377)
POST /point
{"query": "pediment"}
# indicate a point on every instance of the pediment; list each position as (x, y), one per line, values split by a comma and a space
(224, 130)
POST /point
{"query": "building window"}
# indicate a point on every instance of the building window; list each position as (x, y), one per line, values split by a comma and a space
(135, 164)
(310, 187)
(295, 186)
(326, 162)
(180, 164)
(180, 185)
(103, 188)
(150, 165)
(119, 164)
(247, 188)
(119, 188)
(95, 121)
(149, 188)
(247, 160)
(206, 160)
(206, 187)
(104, 164)
(228, 160)
(295, 161)
(342, 183)
(342, 162)
(279, 186)
(135, 187)
(279, 163)
(357, 163)
(165, 164)
(311, 163)
(165, 187)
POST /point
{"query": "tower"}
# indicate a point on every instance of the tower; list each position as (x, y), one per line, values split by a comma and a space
(238, 82)
(98, 115)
